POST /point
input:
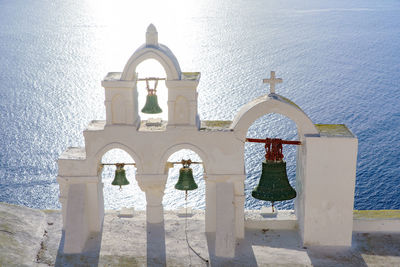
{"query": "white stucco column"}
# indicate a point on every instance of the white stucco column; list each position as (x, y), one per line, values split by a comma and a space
(239, 215)
(154, 208)
(95, 203)
(225, 240)
(182, 100)
(239, 200)
(63, 197)
(327, 190)
(121, 100)
(107, 103)
(153, 185)
(77, 222)
(83, 209)
(211, 208)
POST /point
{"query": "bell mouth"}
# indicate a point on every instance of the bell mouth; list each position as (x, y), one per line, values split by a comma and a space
(186, 188)
(274, 196)
(274, 161)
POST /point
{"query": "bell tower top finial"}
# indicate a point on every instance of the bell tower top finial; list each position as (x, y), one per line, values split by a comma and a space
(272, 81)
(151, 35)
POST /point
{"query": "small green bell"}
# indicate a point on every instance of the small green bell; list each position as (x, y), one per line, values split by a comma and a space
(186, 181)
(120, 176)
(151, 106)
(274, 183)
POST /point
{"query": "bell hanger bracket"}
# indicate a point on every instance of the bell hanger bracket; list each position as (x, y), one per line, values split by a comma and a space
(185, 163)
(155, 79)
(118, 164)
(151, 79)
(273, 147)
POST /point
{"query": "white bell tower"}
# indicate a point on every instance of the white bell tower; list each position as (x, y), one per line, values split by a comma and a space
(326, 159)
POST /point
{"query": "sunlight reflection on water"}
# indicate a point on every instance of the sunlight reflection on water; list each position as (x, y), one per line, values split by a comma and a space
(339, 62)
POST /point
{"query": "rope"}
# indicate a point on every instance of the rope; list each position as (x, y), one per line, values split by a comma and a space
(187, 241)
(190, 258)
(151, 91)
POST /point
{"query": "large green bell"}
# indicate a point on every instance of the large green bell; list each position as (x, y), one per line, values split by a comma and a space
(186, 181)
(120, 176)
(274, 183)
(151, 106)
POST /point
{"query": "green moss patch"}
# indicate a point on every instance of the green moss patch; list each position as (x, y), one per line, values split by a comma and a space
(376, 214)
(333, 130)
(215, 125)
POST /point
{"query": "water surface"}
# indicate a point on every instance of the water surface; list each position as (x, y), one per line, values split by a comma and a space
(339, 60)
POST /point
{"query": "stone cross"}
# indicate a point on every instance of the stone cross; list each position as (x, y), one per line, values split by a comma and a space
(272, 81)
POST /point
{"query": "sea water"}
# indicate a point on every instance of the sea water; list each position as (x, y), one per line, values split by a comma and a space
(339, 60)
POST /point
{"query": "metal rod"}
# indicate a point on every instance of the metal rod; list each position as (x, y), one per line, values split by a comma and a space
(286, 142)
(134, 164)
(151, 79)
(180, 162)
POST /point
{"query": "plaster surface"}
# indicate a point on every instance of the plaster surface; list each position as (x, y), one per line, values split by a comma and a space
(372, 221)
(30, 237)
(281, 220)
(326, 157)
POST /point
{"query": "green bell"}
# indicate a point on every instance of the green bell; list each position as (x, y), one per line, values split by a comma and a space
(120, 176)
(186, 181)
(151, 106)
(274, 183)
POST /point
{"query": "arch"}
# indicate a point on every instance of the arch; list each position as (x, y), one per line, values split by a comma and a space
(100, 153)
(131, 195)
(174, 148)
(159, 52)
(272, 103)
(173, 198)
(271, 125)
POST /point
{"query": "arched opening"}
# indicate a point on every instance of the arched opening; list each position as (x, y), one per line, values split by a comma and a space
(130, 195)
(271, 125)
(175, 199)
(146, 69)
